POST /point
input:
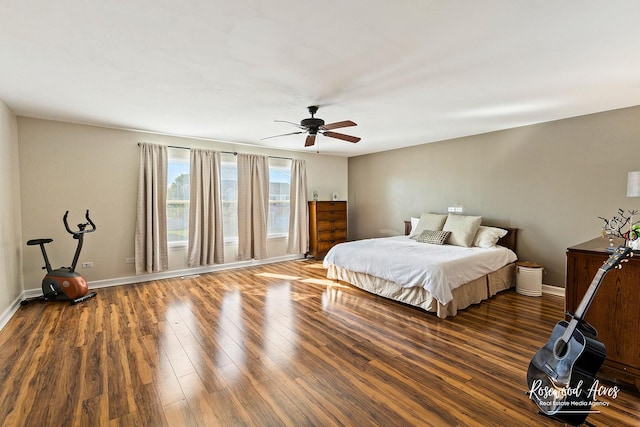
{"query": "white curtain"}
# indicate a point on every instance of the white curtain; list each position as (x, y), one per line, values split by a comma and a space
(253, 206)
(206, 242)
(151, 220)
(298, 220)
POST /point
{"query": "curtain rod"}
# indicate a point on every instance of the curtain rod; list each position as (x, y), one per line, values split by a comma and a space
(235, 153)
(187, 148)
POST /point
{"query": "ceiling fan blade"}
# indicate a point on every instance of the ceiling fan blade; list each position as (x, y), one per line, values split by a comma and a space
(342, 136)
(337, 125)
(291, 123)
(311, 139)
(284, 134)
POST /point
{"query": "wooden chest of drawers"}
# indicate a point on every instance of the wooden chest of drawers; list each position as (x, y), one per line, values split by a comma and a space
(327, 226)
(614, 311)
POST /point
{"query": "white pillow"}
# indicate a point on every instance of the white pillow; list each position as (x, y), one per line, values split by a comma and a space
(463, 229)
(414, 224)
(487, 237)
(429, 221)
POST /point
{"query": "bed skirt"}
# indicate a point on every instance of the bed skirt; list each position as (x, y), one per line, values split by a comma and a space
(473, 292)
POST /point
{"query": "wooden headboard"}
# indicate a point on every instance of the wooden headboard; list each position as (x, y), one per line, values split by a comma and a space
(510, 240)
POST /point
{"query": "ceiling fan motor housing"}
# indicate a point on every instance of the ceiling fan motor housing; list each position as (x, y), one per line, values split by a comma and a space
(312, 123)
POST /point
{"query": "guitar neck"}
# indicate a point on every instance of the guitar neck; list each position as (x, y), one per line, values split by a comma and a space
(584, 304)
(588, 296)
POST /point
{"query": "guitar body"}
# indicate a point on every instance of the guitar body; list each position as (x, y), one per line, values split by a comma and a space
(559, 381)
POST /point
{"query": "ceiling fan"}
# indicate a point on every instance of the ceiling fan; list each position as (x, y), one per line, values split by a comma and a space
(314, 126)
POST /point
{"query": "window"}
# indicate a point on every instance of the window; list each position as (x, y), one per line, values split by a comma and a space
(178, 197)
(229, 189)
(278, 216)
(279, 183)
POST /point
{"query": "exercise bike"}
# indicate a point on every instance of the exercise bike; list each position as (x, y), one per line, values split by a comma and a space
(64, 283)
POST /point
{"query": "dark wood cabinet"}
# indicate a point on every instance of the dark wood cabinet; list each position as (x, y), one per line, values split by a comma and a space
(615, 310)
(327, 226)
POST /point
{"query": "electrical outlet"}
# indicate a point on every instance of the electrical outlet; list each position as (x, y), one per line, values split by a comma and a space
(87, 264)
(130, 260)
(459, 209)
(451, 209)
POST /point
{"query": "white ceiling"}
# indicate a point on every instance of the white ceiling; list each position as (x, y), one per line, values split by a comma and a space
(408, 72)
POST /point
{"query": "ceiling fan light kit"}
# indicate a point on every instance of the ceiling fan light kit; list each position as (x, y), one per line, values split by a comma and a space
(314, 126)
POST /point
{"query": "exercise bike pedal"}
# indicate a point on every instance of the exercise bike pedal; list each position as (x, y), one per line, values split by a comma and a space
(83, 298)
(41, 298)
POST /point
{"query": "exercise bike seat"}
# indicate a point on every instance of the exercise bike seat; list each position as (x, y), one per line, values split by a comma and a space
(38, 242)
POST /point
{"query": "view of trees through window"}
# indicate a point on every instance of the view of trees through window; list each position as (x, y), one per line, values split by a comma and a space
(178, 200)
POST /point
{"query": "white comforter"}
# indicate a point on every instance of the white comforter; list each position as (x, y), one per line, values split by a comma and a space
(437, 268)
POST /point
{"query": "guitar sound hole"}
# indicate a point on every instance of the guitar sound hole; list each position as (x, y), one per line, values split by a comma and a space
(560, 349)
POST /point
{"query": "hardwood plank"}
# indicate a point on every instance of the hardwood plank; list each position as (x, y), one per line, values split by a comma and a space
(167, 383)
(120, 396)
(93, 411)
(275, 344)
(179, 414)
(200, 401)
(94, 369)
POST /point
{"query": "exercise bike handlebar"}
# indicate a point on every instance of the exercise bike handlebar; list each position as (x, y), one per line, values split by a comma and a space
(83, 228)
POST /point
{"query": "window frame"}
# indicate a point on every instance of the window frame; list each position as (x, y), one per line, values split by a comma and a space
(284, 165)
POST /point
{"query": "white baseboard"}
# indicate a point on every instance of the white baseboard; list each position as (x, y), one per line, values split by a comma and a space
(553, 290)
(8, 313)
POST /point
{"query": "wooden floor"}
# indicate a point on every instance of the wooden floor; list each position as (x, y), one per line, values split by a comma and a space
(275, 345)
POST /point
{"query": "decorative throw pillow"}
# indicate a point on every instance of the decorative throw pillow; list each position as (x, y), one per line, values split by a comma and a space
(429, 221)
(433, 237)
(463, 229)
(487, 237)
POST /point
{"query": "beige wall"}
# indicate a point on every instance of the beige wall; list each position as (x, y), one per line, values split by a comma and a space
(10, 230)
(74, 167)
(551, 181)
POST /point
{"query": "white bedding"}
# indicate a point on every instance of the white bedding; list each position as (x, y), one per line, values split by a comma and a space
(437, 268)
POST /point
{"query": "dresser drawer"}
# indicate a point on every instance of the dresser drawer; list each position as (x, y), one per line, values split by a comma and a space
(340, 224)
(330, 215)
(330, 235)
(331, 206)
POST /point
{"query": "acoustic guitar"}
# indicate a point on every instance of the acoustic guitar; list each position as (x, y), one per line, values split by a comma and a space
(561, 374)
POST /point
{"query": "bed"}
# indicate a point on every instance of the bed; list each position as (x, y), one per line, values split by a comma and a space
(470, 264)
